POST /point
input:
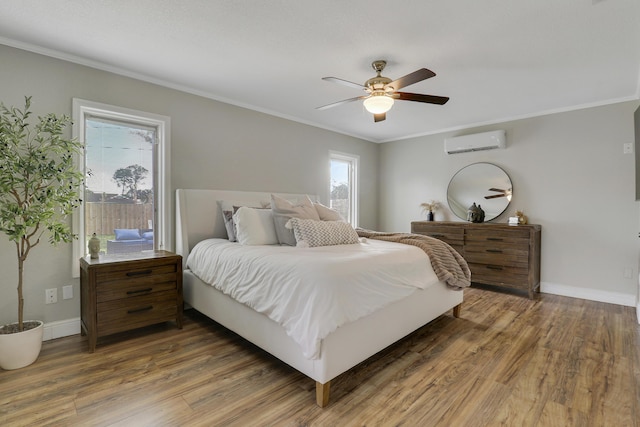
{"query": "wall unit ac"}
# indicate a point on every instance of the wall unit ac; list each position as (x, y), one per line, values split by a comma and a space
(475, 142)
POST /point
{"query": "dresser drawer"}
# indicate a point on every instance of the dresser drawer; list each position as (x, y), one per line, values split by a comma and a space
(505, 256)
(508, 236)
(454, 236)
(515, 277)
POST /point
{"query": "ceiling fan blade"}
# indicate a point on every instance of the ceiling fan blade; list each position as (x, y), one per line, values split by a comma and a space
(344, 101)
(431, 99)
(495, 196)
(411, 78)
(345, 82)
(379, 117)
(498, 190)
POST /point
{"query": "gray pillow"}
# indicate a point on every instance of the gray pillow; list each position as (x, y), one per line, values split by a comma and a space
(283, 210)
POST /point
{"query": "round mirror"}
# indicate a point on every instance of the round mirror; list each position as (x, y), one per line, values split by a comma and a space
(484, 184)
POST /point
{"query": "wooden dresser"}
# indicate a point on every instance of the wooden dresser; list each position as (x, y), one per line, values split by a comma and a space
(126, 291)
(498, 254)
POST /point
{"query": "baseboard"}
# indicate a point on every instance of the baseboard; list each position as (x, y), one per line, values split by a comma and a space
(618, 298)
(61, 328)
(65, 328)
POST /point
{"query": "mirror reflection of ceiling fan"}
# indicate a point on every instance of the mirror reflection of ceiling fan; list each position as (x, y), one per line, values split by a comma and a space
(502, 193)
(382, 91)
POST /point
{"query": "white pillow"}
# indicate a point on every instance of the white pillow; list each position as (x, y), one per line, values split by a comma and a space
(283, 210)
(327, 214)
(228, 208)
(255, 226)
(311, 233)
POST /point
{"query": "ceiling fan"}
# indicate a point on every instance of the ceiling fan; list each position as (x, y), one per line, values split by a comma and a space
(502, 193)
(382, 91)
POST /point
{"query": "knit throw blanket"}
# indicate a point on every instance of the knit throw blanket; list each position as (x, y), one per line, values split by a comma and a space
(447, 263)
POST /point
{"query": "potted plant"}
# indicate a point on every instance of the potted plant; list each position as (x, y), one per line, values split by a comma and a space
(429, 208)
(39, 188)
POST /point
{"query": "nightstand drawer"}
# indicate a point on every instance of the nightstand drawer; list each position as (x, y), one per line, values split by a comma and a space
(140, 271)
(119, 315)
(135, 287)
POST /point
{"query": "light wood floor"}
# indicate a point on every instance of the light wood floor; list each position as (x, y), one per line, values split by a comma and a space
(507, 361)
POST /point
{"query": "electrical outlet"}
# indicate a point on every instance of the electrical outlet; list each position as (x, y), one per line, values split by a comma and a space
(51, 296)
(67, 292)
(627, 148)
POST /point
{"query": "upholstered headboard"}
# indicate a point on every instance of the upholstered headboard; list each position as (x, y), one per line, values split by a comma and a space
(199, 217)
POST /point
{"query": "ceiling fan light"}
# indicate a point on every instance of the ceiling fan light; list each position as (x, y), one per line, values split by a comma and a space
(378, 103)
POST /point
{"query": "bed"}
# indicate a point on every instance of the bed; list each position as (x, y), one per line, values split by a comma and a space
(198, 217)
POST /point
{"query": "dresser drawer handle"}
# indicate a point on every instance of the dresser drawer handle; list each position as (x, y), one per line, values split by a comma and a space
(138, 310)
(494, 251)
(495, 239)
(139, 273)
(494, 267)
(139, 291)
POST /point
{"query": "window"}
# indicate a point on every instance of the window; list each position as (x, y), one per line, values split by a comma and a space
(344, 185)
(126, 166)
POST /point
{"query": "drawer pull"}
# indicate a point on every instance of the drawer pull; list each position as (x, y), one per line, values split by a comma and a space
(139, 273)
(494, 267)
(494, 251)
(138, 310)
(139, 291)
(495, 239)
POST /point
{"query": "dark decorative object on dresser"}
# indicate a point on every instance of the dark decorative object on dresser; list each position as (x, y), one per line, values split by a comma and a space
(127, 291)
(498, 254)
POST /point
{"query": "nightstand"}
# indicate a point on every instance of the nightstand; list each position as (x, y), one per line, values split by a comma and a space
(126, 291)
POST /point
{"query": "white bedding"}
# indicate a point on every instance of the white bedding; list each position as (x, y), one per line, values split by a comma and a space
(313, 291)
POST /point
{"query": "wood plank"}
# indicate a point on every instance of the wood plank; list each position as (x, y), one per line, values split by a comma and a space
(506, 360)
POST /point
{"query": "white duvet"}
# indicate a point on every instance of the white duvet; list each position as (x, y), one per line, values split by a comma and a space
(313, 291)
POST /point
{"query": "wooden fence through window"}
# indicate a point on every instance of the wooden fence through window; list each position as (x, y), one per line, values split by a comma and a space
(103, 218)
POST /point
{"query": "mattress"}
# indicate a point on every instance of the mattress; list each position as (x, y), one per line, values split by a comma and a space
(311, 292)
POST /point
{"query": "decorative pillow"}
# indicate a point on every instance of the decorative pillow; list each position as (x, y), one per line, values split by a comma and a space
(255, 226)
(147, 235)
(228, 208)
(327, 214)
(283, 210)
(127, 233)
(311, 233)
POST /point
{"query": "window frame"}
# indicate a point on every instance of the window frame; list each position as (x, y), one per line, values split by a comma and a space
(162, 169)
(353, 161)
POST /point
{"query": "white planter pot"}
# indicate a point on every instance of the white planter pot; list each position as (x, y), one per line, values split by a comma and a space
(22, 348)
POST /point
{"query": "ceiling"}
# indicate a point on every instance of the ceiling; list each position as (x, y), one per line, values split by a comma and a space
(496, 59)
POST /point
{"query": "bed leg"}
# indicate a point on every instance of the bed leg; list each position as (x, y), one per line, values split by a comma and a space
(322, 393)
(456, 310)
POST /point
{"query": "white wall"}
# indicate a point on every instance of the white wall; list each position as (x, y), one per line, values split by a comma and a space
(214, 145)
(569, 174)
